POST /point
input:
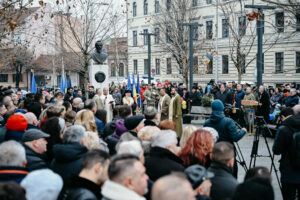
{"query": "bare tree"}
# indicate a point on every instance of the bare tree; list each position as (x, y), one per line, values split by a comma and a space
(174, 38)
(242, 35)
(89, 21)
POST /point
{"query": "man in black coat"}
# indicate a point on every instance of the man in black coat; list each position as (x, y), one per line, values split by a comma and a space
(264, 100)
(222, 95)
(68, 156)
(195, 97)
(87, 185)
(223, 183)
(290, 175)
(162, 159)
(69, 95)
(35, 146)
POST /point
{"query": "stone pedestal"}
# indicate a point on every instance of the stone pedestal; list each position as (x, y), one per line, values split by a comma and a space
(98, 75)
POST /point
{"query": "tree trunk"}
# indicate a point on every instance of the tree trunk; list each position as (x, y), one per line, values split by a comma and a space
(239, 77)
(86, 80)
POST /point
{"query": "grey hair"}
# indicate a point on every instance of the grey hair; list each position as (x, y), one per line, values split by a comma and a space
(133, 147)
(150, 112)
(164, 138)
(213, 133)
(62, 124)
(30, 117)
(74, 134)
(296, 109)
(12, 153)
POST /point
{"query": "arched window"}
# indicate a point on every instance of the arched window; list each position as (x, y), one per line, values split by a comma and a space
(121, 69)
(134, 9)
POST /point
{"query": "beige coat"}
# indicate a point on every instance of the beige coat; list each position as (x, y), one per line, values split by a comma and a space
(163, 105)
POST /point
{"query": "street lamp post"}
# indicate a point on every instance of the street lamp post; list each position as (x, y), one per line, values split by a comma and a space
(191, 51)
(149, 53)
(259, 29)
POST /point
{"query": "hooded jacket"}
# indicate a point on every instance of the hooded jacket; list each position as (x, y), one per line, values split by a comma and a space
(112, 140)
(282, 145)
(225, 126)
(67, 159)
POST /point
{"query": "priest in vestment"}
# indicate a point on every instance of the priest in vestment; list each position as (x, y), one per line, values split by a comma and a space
(109, 103)
(175, 112)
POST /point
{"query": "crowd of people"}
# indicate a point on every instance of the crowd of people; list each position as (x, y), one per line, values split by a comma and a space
(100, 144)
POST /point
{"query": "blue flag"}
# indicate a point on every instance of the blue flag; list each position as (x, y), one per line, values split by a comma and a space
(66, 84)
(33, 86)
(70, 82)
(128, 82)
(139, 100)
(62, 87)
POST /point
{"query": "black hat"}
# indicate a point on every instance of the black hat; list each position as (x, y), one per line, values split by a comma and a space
(132, 122)
(197, 174)
(127, 91)
(34, 134)
(195, 87)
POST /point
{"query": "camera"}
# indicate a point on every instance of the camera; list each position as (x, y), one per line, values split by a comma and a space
(232, 112)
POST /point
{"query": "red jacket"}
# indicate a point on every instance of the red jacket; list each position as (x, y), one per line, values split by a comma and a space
(142, 90)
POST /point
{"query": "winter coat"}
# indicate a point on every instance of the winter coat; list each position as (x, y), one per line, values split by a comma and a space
(113, 139)
(114, 191)
(79, 188)
(282, 146)
(149, 123)
(110, 127)
(225, 126)
(239, 96)
(67, 159)
(223, 183)
(276, 98)
(16, 174)
(68, 97)
(34, 159)
(264, 109)
(14, 135)
(223, 97)
(161, 162)
(196, 99)
(292, 101)
(100, 125)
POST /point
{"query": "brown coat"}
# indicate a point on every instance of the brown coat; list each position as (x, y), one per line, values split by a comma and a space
(165, 107)
(177, 111)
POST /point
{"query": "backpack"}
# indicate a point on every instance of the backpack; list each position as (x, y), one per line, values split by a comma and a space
(295, 150)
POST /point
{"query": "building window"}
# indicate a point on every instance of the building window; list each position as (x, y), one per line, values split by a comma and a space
(297, 62)
(279, 17)
(298, 21)
(195, 3)
(135, 66)
(242, 26)
(196, 64)
(243, 63)
(209, 32)
(196, 32)
(146, 71)
(210, 67)
(263, 62)
(169, 66)
(145, 7)
(134, 9)
(168, 5)
(157, 66)
(3, 77)
(156, 6)
(225, 28)
(225, 64)
(168, 37)
(157, 36)
(208, 1)
(112, 70)
(15, 78)
(134, 38)
(145, 31)
(121, 69)
(279, 62)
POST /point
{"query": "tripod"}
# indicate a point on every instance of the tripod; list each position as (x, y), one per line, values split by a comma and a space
(240, 158)
(260, 131)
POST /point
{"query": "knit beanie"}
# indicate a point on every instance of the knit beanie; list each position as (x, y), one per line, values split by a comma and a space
(217, 105)
(16, 122)
(132, 122)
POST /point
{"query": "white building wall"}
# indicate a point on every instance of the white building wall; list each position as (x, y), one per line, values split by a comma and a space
(208, 12)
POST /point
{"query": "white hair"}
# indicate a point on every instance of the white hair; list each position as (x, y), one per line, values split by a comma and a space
(296, 109)
(133, 147)
(164, 138)
(74, 134)
(12, 153)
(214, 133)
(31, 118)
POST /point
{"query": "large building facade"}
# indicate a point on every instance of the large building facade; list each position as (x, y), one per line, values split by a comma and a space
(281, 43)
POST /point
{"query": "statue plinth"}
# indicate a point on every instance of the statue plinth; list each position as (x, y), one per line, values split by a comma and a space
(98, 75)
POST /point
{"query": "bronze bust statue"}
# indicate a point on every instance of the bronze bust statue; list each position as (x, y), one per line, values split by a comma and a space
(98, 55)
